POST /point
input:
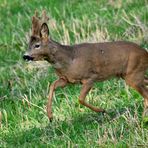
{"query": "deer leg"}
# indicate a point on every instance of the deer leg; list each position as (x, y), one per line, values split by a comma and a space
(143, 90)
(146, 80)
(58, 83)
(145, 77)
(85, 89)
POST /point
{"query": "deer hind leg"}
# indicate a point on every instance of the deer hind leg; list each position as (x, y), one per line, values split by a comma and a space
(145, 80)
(85, 89)
(138, 82)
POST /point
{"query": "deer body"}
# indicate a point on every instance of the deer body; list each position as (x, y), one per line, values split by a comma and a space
(98, 60)
(87, 63)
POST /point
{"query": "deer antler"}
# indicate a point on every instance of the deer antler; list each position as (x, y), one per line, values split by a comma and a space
(37, 22)
(36, 13)
(45, 17)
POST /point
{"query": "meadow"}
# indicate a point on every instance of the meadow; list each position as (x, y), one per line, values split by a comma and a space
(24, 86)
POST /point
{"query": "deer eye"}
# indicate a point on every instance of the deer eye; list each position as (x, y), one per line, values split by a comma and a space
(37, 46)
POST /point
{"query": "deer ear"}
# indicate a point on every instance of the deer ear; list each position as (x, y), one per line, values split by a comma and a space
(44, 32)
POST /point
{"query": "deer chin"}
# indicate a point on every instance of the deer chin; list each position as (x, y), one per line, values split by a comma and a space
(41, 58)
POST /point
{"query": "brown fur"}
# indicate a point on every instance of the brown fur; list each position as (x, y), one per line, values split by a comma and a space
(89, 62)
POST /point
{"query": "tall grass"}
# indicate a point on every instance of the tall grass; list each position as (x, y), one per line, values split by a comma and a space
(24, 86)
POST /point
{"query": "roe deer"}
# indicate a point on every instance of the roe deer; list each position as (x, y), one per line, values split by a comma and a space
(87, 63)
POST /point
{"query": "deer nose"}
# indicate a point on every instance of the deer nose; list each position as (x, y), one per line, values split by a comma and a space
(27, 57)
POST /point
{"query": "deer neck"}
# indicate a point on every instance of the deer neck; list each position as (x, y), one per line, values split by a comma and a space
(61, 56)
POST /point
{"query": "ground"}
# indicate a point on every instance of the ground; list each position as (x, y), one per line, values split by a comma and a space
(24, 86)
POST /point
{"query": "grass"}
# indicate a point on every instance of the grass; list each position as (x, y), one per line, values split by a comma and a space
(24, 86)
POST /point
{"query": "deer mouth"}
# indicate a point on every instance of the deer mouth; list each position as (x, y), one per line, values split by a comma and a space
(28, 58)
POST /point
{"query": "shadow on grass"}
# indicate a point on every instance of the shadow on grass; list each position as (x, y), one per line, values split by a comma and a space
(102, 118)
(58, 132)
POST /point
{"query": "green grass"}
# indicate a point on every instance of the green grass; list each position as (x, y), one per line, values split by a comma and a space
(24, 86)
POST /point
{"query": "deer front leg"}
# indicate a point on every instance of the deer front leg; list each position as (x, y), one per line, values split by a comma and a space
(58, 83)
(85, 89)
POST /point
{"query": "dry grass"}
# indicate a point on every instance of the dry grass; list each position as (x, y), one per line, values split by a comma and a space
(24, 86)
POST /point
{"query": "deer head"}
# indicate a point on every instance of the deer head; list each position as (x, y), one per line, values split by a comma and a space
(40, 44)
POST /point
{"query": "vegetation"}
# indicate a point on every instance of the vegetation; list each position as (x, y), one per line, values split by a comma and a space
(24, 86)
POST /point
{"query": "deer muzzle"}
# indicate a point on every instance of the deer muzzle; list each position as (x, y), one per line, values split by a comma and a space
(27, 57)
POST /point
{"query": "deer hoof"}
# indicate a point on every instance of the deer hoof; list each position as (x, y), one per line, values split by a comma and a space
(100, 110)
(49, 114)
(50, 117)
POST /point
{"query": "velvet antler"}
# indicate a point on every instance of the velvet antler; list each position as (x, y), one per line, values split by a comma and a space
(37, 22)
